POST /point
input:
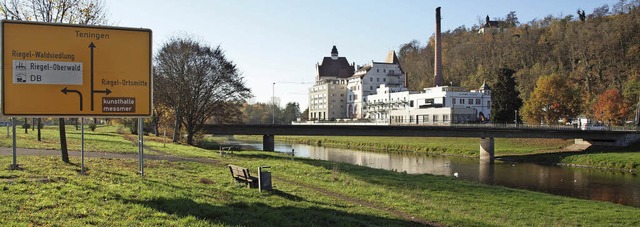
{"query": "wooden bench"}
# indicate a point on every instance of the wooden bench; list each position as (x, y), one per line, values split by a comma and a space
(241, 175)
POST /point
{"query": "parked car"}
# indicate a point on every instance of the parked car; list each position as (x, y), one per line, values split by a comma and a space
(597, 127)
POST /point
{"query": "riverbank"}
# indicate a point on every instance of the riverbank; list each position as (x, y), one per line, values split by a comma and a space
(185, 185)
(200, 192)
(549, 151)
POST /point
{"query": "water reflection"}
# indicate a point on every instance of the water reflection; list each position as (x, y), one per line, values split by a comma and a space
(617, 187)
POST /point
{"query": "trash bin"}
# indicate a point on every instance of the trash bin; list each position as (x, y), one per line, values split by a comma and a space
(264, 178)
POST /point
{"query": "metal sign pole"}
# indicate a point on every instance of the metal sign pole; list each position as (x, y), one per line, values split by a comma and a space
(15, 161)
(141, 146)
(82, 146)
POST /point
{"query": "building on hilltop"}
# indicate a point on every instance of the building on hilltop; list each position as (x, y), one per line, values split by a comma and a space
(491, 26)
(327, 99)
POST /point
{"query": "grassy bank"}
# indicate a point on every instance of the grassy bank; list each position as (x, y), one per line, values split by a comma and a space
(104, 138)
(509, 149)
(426, 145)
(615, 158)
(307, 192)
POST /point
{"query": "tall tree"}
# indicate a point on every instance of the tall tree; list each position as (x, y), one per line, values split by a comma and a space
(551, 100)
(199, 84)
(505, 99)
(290, 113)
(90, 12)
(610, 107)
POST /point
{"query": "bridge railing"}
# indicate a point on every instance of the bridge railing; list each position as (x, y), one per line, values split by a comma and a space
(630, 128)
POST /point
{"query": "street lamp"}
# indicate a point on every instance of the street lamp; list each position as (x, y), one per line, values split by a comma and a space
(273, 102)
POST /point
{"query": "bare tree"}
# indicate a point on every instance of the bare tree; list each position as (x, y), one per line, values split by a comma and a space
(56, 11)
(89, 12)
(199, 84)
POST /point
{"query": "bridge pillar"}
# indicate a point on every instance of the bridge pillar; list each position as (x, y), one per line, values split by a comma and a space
(486, 173)
(268, 143)
(486, 150)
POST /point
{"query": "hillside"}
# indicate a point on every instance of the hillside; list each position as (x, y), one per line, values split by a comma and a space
(597, 52)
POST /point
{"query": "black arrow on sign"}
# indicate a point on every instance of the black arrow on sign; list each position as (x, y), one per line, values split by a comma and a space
(91, 46)
(65, 91)
(107, 91)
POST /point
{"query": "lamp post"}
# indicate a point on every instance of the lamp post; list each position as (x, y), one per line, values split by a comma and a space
(516, 118)
(273, 102)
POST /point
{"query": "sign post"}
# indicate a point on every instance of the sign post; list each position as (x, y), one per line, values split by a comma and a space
(15, 160)
(141, 145)
(82, 149)
(51, 69)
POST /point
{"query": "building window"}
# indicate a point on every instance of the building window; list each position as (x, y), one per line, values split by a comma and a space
(453, 101)
(377, 79)
(371, 79)
(477, 101)
(385, 70)
(371, 88)
(425, 118)
(461, 101)
(489, 104)
(377, 70)
(470, 101)
(384, 79)
(435, 118)
(445, 118)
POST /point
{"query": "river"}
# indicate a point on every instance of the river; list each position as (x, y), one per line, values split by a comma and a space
(584, 183)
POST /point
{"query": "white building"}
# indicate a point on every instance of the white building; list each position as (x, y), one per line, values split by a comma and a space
(370, 77)
(327, 98)
(435, 105)
(377, 92)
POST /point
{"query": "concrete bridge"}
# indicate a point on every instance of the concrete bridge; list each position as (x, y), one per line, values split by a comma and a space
(486, 133)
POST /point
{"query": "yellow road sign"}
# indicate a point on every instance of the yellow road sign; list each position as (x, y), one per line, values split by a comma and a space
(61, 69)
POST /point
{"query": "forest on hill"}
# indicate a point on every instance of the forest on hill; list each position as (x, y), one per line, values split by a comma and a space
(583, 64)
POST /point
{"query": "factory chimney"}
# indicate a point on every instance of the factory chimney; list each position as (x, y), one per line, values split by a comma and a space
(438, 52)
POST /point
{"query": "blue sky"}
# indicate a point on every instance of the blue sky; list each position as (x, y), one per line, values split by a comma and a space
(282, 40)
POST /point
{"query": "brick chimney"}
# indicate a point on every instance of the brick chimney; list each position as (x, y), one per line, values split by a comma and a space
(438, 52)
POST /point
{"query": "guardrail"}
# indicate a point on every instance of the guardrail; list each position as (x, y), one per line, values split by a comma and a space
(625, 128)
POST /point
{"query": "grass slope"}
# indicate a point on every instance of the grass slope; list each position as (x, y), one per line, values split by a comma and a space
(523, 150)
(425, 145)
(307, 192)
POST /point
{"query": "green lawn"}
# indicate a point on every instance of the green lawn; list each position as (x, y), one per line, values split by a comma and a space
(104, 138)
(307, 192)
